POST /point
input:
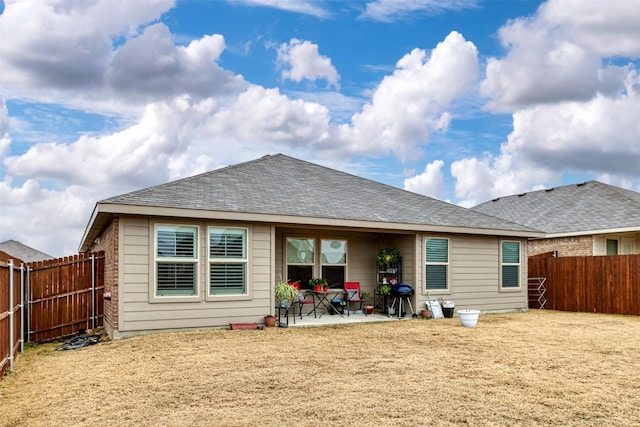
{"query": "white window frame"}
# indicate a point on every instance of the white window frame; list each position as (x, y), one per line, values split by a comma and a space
(153, 283)
(311, 263)
(328, 264)
(245, 261)
(518, 264)
(446, 264)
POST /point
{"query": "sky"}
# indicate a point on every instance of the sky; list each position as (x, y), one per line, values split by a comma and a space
(460, 100)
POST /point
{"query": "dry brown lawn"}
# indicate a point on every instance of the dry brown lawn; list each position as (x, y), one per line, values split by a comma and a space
(536, 368)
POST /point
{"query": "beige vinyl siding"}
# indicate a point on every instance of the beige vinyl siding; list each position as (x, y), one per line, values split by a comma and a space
(474, 274)
(138, 312)
(361, 258)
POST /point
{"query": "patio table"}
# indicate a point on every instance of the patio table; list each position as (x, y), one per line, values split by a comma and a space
(324, 298)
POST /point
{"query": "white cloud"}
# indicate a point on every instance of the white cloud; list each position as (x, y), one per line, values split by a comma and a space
(428, 183)
(410, 104)
(390, 10)
(305, 63)
(136, 156)
(265, 115)
(574, 111)
(559, 54)
(4, 125)
(298, 6)
(600, 136)
(151, 67)
(83, 68)
(45, 219)
(601, 26)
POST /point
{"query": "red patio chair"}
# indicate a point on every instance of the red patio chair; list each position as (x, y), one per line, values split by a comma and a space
(352, 290)
(303, 299)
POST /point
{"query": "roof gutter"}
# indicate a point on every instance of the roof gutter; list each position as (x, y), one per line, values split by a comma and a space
(590, 232)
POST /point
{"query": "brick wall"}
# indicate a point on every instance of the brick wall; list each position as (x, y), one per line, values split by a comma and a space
(108, 242)
(565, 246)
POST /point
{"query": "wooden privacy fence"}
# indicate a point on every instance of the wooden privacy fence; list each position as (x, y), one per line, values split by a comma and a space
(48, 299)
(602, 284)
(65, 295)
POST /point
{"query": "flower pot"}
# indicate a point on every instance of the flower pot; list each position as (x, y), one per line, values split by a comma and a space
(426, 314)
(469, 318)
(326, 288)
(270, 321)
(318, 288)
(368, 309)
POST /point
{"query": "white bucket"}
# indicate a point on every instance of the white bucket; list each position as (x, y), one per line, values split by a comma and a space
(469, 318)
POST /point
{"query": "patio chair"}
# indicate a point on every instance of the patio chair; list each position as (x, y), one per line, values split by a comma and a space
(353, 295)
(303, 299)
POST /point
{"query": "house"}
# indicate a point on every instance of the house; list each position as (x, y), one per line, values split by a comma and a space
(585, 219)
(206, 251)
(23, 252)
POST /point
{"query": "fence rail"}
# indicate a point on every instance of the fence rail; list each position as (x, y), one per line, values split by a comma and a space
(48, 299)
(602, 284)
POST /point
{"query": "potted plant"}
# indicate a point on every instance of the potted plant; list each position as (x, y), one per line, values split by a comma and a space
(318, 283)
(426, 313)
(368, 309)
(385, 289)
(388, 256)
(285, 294)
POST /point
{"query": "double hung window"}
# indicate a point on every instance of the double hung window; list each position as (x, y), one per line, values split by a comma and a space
(334, 260)
(227, 261)
(510, 257)
(300, 259)
(437, 263)
(176, 259)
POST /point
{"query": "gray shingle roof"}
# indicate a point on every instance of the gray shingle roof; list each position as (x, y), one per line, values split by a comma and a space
(571, 208)
(283, 185)
(23, 252)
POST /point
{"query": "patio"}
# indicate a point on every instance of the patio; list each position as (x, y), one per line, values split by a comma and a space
(334, 320)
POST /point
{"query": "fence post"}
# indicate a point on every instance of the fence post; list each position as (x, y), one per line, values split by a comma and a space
(93, 291)
(11, 315)
(28, 304)
(22, 307)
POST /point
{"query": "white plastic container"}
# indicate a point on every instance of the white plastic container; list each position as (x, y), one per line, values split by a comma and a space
(469, 318)
(436, 310)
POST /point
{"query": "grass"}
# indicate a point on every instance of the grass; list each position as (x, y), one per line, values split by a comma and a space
(535, 368)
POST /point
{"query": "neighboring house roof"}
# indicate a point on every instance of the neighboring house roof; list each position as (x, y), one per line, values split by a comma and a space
(23, 252)
(282, 189)
(578, 209)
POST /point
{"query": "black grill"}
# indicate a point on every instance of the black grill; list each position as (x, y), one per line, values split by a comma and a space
(402, 290)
